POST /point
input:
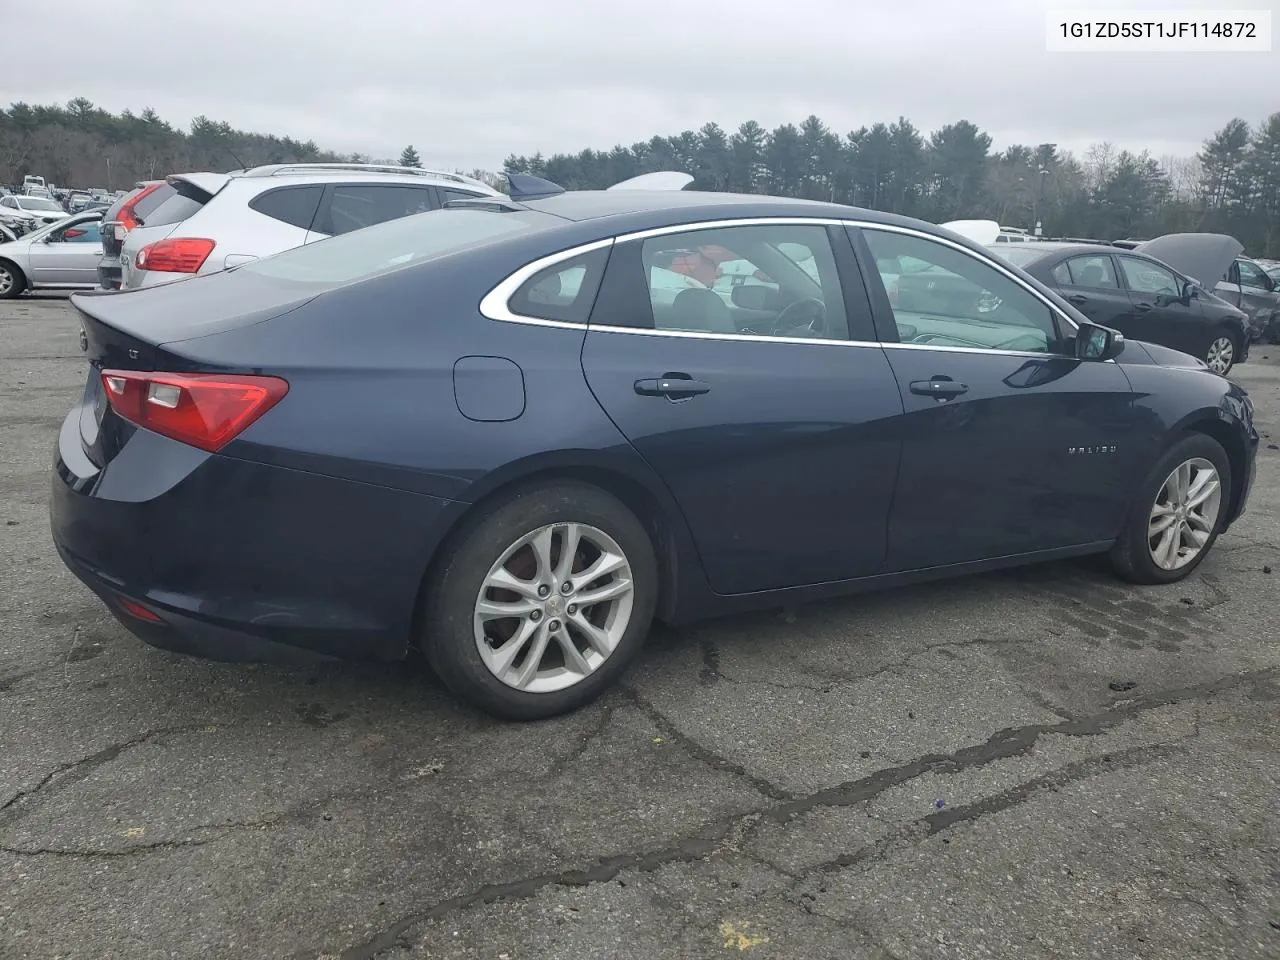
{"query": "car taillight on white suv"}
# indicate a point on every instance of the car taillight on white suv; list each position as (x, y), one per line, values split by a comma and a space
(176, 255)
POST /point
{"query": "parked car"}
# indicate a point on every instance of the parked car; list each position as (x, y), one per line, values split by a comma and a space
(26, 213)
(1247, 286)
(60, 256)
(1142, 297)
(123, 215)
(478, 431)
(214, 220)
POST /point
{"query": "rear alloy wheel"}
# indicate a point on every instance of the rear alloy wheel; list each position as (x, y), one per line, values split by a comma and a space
(1178, 515)
(1221, 355)
(12, 282)
(542, 603)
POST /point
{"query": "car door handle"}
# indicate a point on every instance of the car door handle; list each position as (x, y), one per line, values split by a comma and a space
(672, 387)
(943, 389)
(1144, 306)
(1077, 298)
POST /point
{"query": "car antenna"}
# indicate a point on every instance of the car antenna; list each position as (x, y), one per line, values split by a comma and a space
(239, 164)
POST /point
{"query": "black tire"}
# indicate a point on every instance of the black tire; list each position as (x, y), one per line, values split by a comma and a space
(1131, 556)
(446, 633)
(17, 280)
(1237, 346)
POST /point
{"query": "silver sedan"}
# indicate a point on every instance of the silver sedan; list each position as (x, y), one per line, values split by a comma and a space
(61, 256)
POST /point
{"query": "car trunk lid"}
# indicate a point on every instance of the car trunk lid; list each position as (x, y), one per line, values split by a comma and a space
(1204, 257)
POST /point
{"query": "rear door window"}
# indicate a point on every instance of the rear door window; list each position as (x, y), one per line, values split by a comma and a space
(295, 206)
(1096, 272)
(355, 206)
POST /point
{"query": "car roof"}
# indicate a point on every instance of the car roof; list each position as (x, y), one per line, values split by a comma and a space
(329, 172)
(632, 210)
(1047, 247)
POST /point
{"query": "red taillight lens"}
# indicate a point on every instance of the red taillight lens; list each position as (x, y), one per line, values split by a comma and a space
(135, 609)
(126, 217)
(206, 410)
(180, 255)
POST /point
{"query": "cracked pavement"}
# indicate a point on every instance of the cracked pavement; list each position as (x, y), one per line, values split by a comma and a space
(1044, 763)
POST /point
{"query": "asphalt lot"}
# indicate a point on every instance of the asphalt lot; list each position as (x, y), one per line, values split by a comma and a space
(1043, 763)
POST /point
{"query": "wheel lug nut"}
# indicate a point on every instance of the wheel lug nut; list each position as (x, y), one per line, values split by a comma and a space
(566, 587)
(535, 616)
(543, 590)
(553, 626)
(572, 609)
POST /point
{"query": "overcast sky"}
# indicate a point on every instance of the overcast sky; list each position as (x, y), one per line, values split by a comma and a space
(470, 83)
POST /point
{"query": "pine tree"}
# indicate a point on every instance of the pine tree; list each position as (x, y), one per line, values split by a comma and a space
(409, 157)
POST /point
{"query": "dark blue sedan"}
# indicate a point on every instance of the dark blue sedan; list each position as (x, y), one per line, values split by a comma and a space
(512, 432)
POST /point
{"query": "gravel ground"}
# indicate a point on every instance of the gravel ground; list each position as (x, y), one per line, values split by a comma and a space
(1043, 763)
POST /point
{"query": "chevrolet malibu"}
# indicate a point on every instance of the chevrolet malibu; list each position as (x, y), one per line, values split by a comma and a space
(494, 433)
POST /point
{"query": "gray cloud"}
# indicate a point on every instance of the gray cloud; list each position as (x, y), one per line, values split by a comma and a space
(470, 83)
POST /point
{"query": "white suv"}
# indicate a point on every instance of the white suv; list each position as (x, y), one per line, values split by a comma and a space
(217, 220)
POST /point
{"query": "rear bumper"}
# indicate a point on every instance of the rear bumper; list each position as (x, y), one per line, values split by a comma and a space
(239, 560)
(178, 633)
(110, 273)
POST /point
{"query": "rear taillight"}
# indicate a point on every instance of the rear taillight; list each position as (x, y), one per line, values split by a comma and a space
(126, 216)
(180, 255)
(206, 410)
(135, 609)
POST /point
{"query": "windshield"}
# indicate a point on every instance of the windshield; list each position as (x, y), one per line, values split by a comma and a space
(38, 203)
(1018, 256)
(396, 243)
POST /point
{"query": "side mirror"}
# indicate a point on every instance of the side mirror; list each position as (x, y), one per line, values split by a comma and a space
(1098, 343)
(752, 296)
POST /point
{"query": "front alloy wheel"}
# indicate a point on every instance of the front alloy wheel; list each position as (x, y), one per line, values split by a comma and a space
(1221, 355)
(1185, 514)
(554, 607)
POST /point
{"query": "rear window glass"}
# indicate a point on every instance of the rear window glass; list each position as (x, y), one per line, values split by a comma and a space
(147, 204)
(182, 203)
(1018, 256)
(396, 243)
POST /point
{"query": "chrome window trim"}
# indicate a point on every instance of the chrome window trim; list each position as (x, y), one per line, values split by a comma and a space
(749, 337)
(495, 306)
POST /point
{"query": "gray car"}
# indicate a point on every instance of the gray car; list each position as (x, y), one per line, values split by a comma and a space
(1248, 286)
(61, 256)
